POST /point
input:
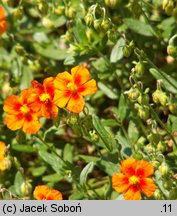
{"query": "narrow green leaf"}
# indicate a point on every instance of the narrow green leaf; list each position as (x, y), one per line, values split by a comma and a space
(18, 182)
(169, 82)
(52, 178)
(79, 32)
(122, 107)
(117, 51)
(38, 171)
(107, 91)
(84, 174)
(108, 140)
(139, 27)
(23, 148)
(55, 162)
(68, 153)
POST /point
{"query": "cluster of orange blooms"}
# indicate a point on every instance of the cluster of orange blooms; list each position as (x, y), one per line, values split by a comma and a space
(42, 100)
(134, 180)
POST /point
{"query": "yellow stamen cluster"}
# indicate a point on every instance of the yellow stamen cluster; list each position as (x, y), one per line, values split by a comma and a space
(133, 180)
(24, 109)
(44, 97)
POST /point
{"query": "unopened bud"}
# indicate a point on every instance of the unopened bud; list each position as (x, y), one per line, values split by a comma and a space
(105, 25)
(26, 188)
(89, 19)
(20, 49)
(164, 169)
(97, 24)
(43, 7)
(139, 69)
(173, 108)
(112, 3)
(94, 136)
(168, 6)
(48, 23)
(18, 13)
(133, 93)
(161, 146)
(172, 47)
(59, 10)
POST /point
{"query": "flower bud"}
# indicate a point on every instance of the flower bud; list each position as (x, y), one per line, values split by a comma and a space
(167, 184)
(6, 89)
(149, 148)
(168, 6)
(7, 163)
(143, 99)
(26, 188)
(48, 23)
(112, 35)
(43, 7)
(161, 146)
(94, 136)
(11, 3)
(133, 93)
(70, 12)
(128, 49)
(139, 69)
(158, 195)
(172, 107)
(164, 169)
(97, 24)
(160, 97)
(89, 19)
(59, 10)
(172, 47)
(155, 164)
(72, 120)
(143, 113)
(135, 8)
(112, 3)
(105, 25)
(20, 49)
(18, 13)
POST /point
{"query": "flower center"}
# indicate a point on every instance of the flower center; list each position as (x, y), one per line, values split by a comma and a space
(133, 180)
(24, 109)
(44, 97)
(72, 87)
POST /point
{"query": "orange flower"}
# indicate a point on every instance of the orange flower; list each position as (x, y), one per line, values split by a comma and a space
(2, 156)
(42, 192)
(70, 88)
(2, 20)
(134, 179)
(20, 114)
(43, 98)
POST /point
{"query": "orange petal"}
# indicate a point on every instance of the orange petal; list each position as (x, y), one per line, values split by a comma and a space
(61, 98)
(76, 103)
(120, 182)
(49, 110)
(36, 84)
(147, 186)
(2, 13)
(128, 166)
(26, 94)
(13, 122)
(12, 105)
(88, 88)
(2, 164)
(80, 75)
(62, 80)
(54, 195)
(31, 125)
(144, 169)
(48, 84)
(2, 148)
(132, 194)
(3, 26)
(40, 192)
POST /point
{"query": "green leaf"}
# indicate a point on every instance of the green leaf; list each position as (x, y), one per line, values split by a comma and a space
(84, 174)
(76, 195)
(139, 27)
(55, 162)
(51, 52)
(133, 132)
(169, 83)
(107, 91)
(68, 153)
(52, 178)
(38, 171)
(18, 182)
(108, 140)
(27, 76)
(23, 148)
(117, 51)
(122, 107)
(79, 32)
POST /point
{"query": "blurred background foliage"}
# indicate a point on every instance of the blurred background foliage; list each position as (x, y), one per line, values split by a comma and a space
(130, 49)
